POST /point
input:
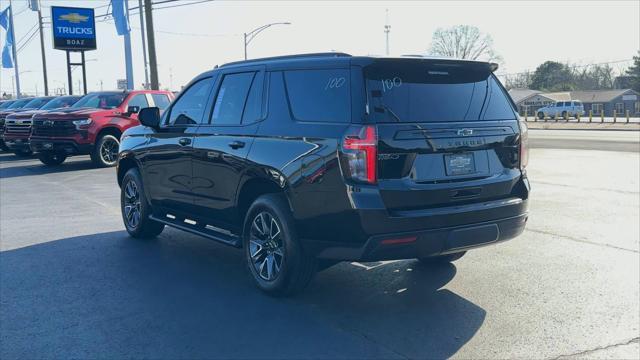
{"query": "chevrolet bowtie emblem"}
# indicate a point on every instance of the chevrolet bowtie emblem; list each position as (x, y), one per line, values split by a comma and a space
(465, 132)
(74, 18)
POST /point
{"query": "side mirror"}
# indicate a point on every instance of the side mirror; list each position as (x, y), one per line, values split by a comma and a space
(150, 117)
(133, 110)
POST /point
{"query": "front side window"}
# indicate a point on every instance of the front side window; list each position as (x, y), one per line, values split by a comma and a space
(140, 101)
(161, 100)
(231, 99)
(189, 108)
(321, 95)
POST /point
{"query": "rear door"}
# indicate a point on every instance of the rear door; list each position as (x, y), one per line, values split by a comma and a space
(167, 158)
(447, 133)
(222, 144)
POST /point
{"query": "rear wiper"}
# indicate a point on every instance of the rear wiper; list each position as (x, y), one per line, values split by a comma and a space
(388, 109)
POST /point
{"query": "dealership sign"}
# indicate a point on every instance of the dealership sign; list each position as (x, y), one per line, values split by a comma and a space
(74, 29)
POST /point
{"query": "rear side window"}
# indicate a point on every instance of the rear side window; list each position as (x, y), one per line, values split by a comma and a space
(497, 106)
(140, 101)
(321, 95)
(189, 108)
(231, 99)
(161, 100)
(254, 108)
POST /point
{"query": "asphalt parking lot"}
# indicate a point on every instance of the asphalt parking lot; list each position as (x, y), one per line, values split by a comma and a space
(74, 285)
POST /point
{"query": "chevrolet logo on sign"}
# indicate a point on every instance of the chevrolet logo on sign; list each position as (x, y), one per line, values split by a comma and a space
(73, 28)
(74, 18)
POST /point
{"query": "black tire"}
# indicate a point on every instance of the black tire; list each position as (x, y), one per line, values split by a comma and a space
(135, 208)
(51, 158)
(105, 152)
(442, 259)
(23, 153)
(296, 268)
(541, 115)
(3, 146)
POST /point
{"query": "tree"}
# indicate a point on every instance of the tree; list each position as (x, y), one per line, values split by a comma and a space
(552, 76)
(518, 81)
(634, 73)
(463, 42)
(595, 77)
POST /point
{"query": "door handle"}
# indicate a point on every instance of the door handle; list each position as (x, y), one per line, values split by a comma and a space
(184, 141)
(236, 144)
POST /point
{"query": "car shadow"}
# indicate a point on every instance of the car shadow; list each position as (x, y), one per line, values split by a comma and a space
(401, 305)
(31, 167)
(182, 296)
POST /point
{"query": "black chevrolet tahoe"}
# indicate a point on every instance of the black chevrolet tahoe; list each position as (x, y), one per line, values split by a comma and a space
(307, 160)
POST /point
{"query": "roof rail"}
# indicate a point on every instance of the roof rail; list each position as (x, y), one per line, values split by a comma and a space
(289, 57)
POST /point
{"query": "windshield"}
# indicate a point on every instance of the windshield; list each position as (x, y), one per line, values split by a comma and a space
(37, 103)
(18, 104)
(426, 91)
(5, 104)
(61, 102)
(101, 100)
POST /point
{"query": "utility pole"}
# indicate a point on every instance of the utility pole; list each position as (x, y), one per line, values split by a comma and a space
(387, 30)
(44, 57)
(127, 51)
(15, 52)
(151, 42)
(144, 46)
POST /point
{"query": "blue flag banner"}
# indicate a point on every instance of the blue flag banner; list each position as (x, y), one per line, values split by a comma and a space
(7, 60)
(4, 18)
(119, 11)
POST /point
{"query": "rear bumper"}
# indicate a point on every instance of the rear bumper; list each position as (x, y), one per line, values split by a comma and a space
(425, 243)
(68, 147)
(380, 234)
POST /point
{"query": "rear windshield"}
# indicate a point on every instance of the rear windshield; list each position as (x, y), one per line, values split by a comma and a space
(101, 100)
(61, 102)
(426, 91)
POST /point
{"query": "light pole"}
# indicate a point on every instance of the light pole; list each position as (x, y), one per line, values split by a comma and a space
(13, 82)
(253, 33)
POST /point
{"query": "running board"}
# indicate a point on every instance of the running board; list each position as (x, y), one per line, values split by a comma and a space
(207, 231)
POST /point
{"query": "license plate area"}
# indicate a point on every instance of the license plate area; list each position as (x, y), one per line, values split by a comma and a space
(47, 146)
(459, 164)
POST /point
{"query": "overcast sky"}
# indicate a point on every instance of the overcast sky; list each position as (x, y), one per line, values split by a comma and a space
(194, 38)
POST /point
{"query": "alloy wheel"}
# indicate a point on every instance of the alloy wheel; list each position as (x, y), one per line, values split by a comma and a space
(132, 209)
(266, 246)
(109, 151)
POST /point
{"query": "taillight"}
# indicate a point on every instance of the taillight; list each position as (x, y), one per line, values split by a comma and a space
(524, 145)
(360, 150)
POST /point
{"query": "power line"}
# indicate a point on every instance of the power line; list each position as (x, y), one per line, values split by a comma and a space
(191, 34)
(27, 41)
(27, 33)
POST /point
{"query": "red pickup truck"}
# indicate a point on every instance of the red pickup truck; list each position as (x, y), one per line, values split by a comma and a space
(18, 125)
(92, 126)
